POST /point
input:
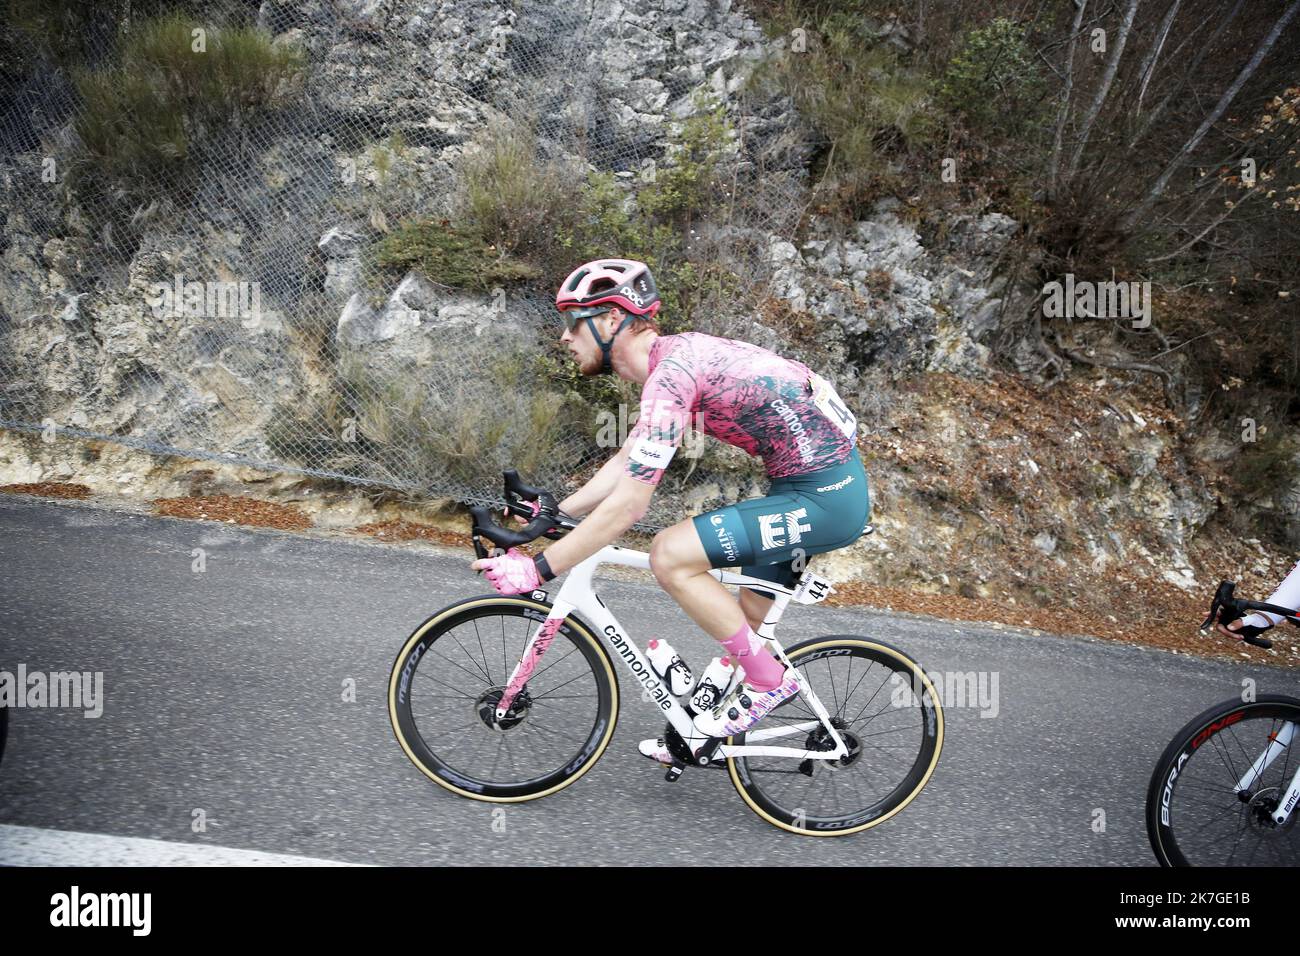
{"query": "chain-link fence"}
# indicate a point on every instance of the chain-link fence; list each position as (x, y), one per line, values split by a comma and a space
(322, 236)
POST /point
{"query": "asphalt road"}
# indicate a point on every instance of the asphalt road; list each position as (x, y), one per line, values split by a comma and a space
(223, 703)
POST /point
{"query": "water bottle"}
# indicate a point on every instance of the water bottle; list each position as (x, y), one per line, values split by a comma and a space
(713, 686)
(670, 667)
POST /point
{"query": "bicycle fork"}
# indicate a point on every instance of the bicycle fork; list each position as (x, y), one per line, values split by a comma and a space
(533, 651)
(1278, 742)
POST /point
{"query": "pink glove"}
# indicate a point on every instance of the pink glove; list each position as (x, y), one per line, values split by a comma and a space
(511, 573)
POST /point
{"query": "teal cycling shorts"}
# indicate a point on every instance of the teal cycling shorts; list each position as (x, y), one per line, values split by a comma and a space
(802, 515)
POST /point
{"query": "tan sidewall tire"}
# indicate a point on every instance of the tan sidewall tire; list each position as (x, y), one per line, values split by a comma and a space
(571, 622)
(919, 673)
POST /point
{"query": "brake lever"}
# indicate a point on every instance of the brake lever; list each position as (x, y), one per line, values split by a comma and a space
(517, 493)
(1222, 598)
(1224, 601)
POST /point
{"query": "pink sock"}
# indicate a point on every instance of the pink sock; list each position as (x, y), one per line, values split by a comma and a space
(762, 670)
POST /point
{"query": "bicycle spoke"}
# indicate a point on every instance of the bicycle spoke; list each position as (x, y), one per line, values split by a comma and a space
(477, 677)
(830, 674)
(440, 683)
(565, 684)
(482, 670)
(487, 670)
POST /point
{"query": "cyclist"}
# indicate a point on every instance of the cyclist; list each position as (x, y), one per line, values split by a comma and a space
(772, 407)
(1286, 595)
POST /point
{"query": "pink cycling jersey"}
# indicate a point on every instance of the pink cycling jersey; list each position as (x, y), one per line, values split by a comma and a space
(740, 394)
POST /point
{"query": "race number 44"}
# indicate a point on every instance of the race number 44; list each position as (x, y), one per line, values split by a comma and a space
(830, 404)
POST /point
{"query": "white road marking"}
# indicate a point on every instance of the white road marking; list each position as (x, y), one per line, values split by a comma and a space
(34, 846)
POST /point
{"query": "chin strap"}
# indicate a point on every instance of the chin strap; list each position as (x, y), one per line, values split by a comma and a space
(605, 347)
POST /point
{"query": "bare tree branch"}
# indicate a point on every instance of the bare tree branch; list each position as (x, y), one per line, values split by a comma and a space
(1204, 232)
(1224, 101)
(1112, 362)
(1064, 113)
(1103, 90)
(1206, 47)
(1149, 64)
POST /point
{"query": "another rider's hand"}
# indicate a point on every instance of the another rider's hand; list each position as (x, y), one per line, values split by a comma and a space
(512, 573)
(1239, 629)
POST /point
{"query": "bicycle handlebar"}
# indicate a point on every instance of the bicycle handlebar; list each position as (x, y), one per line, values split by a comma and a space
(548, 521)
(1225, 609)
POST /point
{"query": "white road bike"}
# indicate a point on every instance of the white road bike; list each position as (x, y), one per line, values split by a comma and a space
(507, 699)
(1225, 791)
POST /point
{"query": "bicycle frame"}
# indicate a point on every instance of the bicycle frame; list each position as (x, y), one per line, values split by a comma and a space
(577, 594)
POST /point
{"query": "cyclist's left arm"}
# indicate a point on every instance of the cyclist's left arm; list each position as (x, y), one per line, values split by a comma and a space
(622, 508)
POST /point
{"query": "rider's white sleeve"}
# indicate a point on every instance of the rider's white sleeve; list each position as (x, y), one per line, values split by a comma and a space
(1286, 595)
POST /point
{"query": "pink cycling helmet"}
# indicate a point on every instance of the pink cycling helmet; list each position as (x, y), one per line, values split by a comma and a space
(625, 283)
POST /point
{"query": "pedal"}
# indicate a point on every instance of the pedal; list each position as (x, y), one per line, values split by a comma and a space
(674, 772)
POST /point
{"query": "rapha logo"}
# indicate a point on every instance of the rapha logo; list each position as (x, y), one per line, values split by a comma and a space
(779, 530)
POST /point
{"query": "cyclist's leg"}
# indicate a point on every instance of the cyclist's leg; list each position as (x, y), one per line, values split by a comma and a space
(681, 561)
(767, 537)
(755, 605)
(843, 495)
(802, 515)
(681, 565)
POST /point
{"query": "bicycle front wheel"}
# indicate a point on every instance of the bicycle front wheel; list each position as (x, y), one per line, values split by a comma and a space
(888, 713)
(450, 675)
(1211, 802)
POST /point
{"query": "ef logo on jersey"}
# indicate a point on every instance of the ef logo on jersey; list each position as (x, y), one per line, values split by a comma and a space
(781, 529)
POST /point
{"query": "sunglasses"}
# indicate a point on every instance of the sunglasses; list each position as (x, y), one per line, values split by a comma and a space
(573, 316)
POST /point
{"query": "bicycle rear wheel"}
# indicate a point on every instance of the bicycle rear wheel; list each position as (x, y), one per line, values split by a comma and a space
(887, 711)
(1196, 816)
(450, 675)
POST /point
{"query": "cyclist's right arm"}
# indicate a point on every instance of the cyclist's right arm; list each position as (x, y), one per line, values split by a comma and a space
(597, 489)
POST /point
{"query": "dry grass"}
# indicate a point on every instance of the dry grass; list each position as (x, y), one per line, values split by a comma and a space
(252, 512)
(48, 489)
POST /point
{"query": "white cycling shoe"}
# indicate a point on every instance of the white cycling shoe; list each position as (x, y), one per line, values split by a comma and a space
(745, 706)
(656, 748)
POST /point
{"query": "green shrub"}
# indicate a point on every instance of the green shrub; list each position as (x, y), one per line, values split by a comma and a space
(995, 81)
(515, 201)
(145, 111)
(71, 31)
(449, 256)
(868, 106)
(409, 431)
(1266, 467)
(683, 187)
